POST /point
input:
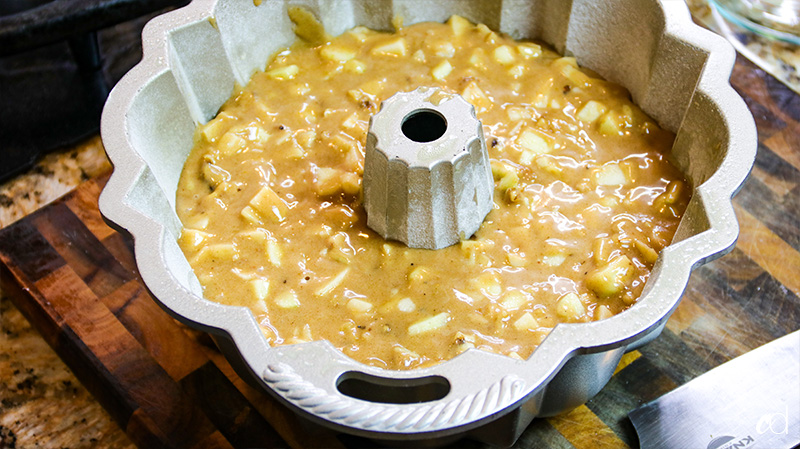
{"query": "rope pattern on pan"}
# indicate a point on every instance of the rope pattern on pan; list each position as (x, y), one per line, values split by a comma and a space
(392, 418)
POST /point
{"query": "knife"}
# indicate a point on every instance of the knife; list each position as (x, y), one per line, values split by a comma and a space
(750, 402)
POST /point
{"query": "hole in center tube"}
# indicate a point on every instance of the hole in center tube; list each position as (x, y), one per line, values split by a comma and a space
(424, 125)
(392, 391)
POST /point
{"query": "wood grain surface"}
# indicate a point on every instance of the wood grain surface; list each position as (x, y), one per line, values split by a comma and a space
(167, 386)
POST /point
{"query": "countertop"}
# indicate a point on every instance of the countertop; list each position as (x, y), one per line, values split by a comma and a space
(42, 404)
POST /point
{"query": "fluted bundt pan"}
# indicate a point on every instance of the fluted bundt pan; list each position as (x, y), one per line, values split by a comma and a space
(677, 72)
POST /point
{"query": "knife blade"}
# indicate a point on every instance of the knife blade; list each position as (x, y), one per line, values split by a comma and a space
(750, 402)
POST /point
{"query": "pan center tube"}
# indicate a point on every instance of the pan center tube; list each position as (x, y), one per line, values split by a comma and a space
(427, 178)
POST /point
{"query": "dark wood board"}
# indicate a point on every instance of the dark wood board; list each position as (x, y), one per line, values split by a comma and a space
(166, 385)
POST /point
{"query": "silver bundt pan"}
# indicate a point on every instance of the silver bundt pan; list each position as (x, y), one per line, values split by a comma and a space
(677, 72)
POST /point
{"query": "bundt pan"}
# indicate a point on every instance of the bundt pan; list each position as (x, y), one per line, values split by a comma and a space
(677, 72)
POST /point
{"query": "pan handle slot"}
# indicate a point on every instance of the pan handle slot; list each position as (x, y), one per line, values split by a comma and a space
(371, 388)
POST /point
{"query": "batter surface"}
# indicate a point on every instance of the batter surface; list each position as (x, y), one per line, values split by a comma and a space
(270, 199)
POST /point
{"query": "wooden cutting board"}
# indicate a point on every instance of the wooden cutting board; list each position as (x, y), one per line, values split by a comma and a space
(75, 279)
(168, 386)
